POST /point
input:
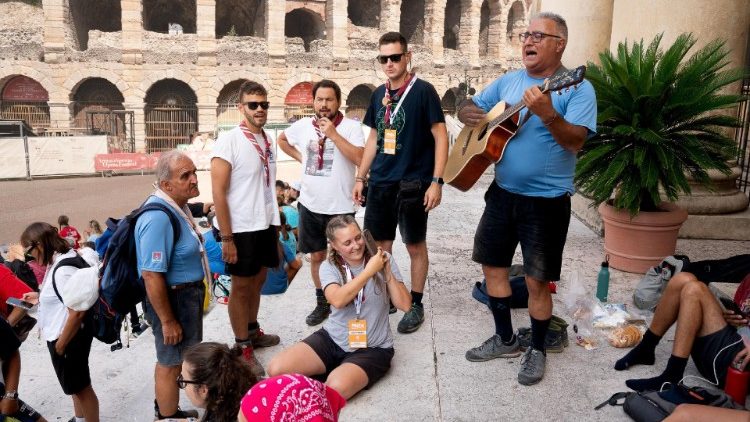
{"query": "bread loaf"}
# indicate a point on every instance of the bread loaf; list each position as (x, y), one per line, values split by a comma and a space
(626, 336)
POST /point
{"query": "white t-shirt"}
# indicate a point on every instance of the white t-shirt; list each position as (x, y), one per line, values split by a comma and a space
(326, 189)
(52, 313)
(252, 199)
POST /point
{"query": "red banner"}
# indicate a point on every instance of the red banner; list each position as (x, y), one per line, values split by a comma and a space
(23, 88)
(124, 161)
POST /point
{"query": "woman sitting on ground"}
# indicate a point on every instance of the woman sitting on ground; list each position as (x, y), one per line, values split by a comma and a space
(69, 345)
(215, 378)
(357, 290)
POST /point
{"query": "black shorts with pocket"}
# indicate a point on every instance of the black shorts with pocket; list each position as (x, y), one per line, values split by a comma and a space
(400, 204)
(72, 368)
(254, 250)
(375, 361)
(312, 230)
(539, 224)
(706, 348)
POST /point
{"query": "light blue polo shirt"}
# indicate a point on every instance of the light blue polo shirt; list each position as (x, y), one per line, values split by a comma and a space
(533, 163)
(156, 251)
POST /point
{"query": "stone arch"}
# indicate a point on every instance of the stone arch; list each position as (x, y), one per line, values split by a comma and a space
(24, 98)
(7, 73)
(158, 14)
(87, 15)
(412, 25)
(171, 114)
(298, 78)
(227, 114)
(491, 27)
(150, 79)
(75, 80)
(448, 101)
(364, 12)
(306, 24)
(95, 106)
(358, 100)
(452, 24)
(516, 20)
(241, 18)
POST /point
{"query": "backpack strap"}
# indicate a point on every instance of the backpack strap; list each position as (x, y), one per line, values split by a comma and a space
(173, 219)
(75, 262)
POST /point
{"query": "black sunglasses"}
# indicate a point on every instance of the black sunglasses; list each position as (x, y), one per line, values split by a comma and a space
(252, 105)
(395, 58)
(29, 248)
(182, 382)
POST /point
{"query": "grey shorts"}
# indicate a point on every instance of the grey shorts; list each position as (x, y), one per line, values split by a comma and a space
(187, 306)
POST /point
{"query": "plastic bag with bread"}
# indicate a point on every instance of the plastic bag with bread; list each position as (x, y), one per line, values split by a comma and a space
(626, 336)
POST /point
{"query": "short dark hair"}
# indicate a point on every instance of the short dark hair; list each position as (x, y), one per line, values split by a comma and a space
(393, 37)
(251, 87)
(326, 83)
(281, 184)
(44, 235)
(63, 220)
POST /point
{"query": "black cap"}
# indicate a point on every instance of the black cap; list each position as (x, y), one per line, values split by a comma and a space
(605, 264)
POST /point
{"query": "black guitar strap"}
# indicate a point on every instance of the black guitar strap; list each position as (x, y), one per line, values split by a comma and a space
(560, 70)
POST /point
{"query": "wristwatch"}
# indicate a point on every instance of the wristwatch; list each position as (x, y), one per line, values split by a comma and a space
(11, 395)
(438, 180)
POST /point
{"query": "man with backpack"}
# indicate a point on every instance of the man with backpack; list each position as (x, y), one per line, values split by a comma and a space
(173, 272)
(704, 331)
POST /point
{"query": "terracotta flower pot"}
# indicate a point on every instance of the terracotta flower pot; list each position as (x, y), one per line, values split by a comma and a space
(637, 244)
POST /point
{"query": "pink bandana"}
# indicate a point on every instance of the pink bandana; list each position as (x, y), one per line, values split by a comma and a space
(289, 398)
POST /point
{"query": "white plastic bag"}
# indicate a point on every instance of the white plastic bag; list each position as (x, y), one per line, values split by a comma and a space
(82, 289)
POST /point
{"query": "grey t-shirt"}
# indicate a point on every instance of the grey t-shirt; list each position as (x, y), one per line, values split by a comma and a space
(375, 305)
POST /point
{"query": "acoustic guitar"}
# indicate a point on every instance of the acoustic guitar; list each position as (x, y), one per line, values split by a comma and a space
(484, 144)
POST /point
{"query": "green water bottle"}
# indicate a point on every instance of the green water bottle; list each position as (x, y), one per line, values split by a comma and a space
(602, 283)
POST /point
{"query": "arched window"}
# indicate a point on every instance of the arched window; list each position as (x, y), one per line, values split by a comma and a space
(227, 114)
(364, 12)
(299, 102)
(94, 103)
(102, 15)
(23, 98)
(171, 115)
(306, 24)
(412, 21)
(452, 24)
(159, 14)
(358, 100)
(240, 18)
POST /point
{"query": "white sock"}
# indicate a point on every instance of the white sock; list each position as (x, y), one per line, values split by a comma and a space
(80, 419)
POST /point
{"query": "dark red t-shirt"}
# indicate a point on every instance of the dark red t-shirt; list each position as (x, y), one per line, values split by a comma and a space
(71, 232)
(742, 295)
(10, 286)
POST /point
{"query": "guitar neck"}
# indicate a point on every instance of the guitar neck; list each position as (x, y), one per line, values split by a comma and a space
(512, 110)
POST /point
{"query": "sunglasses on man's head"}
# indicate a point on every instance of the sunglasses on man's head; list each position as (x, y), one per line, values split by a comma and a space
(252, 105)
(395, 58)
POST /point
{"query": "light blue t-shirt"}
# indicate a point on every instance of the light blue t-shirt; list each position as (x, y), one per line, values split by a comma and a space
(156, 251)
(277, 280)
(533, 163)
(292, 215)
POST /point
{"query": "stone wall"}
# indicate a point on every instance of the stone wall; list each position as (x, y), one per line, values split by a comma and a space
(21, 34)
(170, 49)
(239, 50)
(102, 47)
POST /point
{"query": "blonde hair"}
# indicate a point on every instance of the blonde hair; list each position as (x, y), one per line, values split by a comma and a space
(336, 223)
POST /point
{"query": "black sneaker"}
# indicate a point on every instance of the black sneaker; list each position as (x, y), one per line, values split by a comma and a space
(320, 313)
(412, 319)
(532, 367)
(494, 348)
(181, 414)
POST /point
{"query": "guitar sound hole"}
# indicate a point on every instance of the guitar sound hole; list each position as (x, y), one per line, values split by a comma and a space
(482, 132)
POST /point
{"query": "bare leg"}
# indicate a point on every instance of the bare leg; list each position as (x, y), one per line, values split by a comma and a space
(698, 413)
(244, 301)
(167, 393)
(419, 264)
(256, 286)
(88, 403)
(316, 258)
(77, 409)
(498, 282)
(540, 298)
(348, 379)
(298, 359)
(386, 245)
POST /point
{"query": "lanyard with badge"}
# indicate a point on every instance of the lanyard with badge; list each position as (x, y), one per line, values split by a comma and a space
(389, 135)
(357, 326)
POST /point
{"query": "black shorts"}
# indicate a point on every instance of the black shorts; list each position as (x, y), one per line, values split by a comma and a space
(72, 368)
(9, 342)
(312, 230)
(254, 250)
(706, 348)
(539, 224)
(375, 361)
(400, 204)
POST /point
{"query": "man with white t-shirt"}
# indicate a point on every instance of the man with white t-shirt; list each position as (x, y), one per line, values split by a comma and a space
(330, 147)
(243, 171)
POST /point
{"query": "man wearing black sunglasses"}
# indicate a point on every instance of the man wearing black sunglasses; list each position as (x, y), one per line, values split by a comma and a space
(405, 155)
(529, 202)
(243, 171)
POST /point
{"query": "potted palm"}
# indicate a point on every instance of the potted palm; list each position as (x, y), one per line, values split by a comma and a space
(660, 123)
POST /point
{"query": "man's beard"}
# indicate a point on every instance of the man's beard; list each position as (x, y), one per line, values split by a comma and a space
(255, 121)
(330, 114)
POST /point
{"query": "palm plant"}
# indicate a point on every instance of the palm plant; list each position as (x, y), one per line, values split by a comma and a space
(659, 120)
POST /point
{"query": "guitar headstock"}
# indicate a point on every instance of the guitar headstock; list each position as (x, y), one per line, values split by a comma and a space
(565, 79)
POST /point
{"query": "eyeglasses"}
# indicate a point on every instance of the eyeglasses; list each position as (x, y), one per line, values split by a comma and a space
(395, 58)
(536, 36)
(252, 105)
(30, 248)
(182, 382)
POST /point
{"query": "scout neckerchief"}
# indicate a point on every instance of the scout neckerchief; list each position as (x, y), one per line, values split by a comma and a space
(322, 137)
(399, 96)
(185, 213)
(264, 155)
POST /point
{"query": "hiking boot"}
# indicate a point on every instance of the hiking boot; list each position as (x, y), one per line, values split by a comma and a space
(411, 320)
(494, 348)
(532, 367)
(261, 339)
(180, 414)
(320, 313)
(249, 355)
(556, 339)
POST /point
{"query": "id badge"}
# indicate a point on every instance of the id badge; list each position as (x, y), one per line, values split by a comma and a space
(268, 195)
(389, 141)
(357, 333)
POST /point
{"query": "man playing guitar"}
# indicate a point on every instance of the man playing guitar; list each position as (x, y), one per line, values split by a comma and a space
(529, 201)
